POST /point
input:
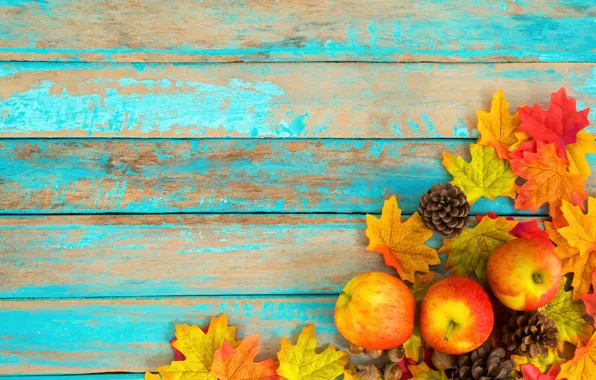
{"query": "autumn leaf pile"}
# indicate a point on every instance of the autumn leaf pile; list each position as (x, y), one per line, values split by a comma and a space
(538, 158)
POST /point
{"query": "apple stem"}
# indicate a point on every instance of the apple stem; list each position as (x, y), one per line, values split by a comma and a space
(451, 326)
(349, 297)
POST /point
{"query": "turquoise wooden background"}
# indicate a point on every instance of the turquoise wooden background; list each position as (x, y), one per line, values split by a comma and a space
(163, 162)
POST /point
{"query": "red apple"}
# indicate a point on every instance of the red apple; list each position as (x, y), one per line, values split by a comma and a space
(456, 315)
(376, 311)
(524, 274)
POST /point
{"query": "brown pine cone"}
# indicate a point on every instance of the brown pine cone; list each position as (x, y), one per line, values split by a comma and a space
(530, 333)
(444, 208)
(484, 363)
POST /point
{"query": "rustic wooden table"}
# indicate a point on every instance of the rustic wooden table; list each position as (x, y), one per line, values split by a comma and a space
(164, 162)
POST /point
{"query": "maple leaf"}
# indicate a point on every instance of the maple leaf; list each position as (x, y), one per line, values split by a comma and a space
(576, 153)
(581, 232)
(152, 376)
(558, 125)
(350, 374)
(497, 128)
(530, 372)
(413, 345)
(422, 284)
(583, 364)
(539, 361)
(198, 349)
(548, 181)
(530, 230)
(486, 175)
(469, 252)
(568, 317)
(572, 262)
(231, 363)
(590, 299)
(301, 361)
(401, 244)
(423, 372)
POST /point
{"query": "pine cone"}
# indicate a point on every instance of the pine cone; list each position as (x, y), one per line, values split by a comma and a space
(530, 333)
(484, 363)
(444, 209)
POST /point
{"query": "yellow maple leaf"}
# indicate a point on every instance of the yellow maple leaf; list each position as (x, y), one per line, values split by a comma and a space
(413, 345)
(231, 363)
(469, 252)
(581, 232)
(198, 348)
(583, 364)
(542, 363)
(576, 153)
(152, 376)
(301, 361)
(568, 317)
(521, 138)
(497, 128)
(486, 175)
(401, 244)
(423, 372)
(421, 285)
(581, 266)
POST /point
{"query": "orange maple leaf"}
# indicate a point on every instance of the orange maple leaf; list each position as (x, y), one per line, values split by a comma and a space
(547, 181)
(237, 364)
(498, 127)
(583, 364)
(401, 244)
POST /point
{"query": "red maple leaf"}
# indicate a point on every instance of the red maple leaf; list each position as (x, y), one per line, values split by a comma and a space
(558, 125)
(530, 372)
(530, 230)
(590, 299)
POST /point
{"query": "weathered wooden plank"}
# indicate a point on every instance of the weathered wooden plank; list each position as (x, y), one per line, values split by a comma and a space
(153, 255)
(289, 100)
(290, 30)
(165, 176)
(81, 336)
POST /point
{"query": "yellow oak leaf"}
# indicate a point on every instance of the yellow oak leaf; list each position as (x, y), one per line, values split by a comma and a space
(401, 244)
(576, 153)
(581, 232)
(231, 363)
(413, 345)
(152, 376)
(486, 175)
(581, 266)
(583, 364)
(198, 348)
(497, 128)
(302, 362)
(542, 363)
(469, 252)
(423, 372)
(568, 317)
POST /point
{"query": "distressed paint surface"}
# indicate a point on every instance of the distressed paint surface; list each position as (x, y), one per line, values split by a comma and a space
(270, 100)
(291, 30)
(164, 176)
(102, 335)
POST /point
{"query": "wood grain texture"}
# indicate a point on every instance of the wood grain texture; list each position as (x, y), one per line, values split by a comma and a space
(291, 30)
(81, 336)
(344, 100)
(154, 255)
(165, 176)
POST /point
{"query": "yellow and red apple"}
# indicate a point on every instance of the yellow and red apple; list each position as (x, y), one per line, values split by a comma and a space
(376, 311)
(524, 274)
(456, 315)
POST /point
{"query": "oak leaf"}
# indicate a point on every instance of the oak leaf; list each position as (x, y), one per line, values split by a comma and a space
(572, 262)
(581, 232)
(568, 317)
(583, 364)
(423, 372)
(231, 363)
(497, 128)
(469, 252)
(486, 175)
(547, 181)
(198, 348)
(401, 244)
(531, 372)
(540, 362)
(558, 125)
(302, 362)
(576, 153)
(590, 299)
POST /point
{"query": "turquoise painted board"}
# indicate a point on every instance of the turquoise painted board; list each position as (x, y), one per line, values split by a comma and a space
(271, 100)
(82, 336)
(298, 30)
(279, 176)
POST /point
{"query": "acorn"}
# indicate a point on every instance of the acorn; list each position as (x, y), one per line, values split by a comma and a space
(354, 349)
(374, 354)
(396, 354)
(392, 372)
